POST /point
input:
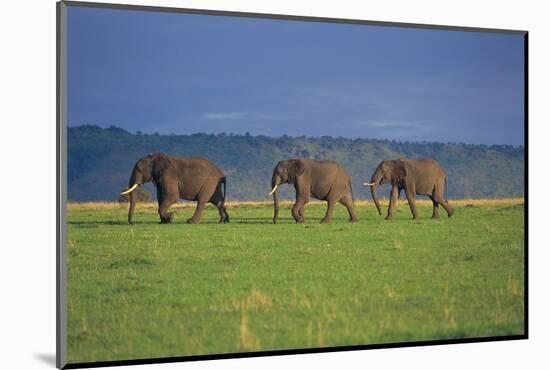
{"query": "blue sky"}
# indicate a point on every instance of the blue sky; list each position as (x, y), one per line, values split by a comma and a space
(182, 73)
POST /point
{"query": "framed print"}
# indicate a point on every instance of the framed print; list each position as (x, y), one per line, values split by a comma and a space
(236, 184)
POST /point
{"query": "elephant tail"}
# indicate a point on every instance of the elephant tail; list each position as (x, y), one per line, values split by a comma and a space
(223, 181)
(351, 191)
(446, 191)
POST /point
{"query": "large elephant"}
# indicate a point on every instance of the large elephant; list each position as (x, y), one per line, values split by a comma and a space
(323, 180)
(420, 176)
(192, 178)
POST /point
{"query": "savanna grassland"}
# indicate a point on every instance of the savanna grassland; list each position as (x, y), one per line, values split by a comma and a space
(151, 291)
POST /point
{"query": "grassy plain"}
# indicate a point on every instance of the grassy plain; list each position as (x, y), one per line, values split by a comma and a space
(151, 291)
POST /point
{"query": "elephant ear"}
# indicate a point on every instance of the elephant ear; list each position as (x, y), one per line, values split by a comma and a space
(160, 163)
(399, 171)
(296, 169)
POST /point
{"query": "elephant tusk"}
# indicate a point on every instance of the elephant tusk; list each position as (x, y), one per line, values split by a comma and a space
(274, 188)
(369, 183)
(130, 190)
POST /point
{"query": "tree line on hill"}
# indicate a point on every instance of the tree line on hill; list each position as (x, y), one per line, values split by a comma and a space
(100, 160)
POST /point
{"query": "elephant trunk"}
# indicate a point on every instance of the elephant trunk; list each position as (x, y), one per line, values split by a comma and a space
(134, 182)
(275, 182)
(133, 200)
(375, 180)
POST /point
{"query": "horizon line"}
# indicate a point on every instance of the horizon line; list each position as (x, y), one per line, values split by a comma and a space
(282, 136)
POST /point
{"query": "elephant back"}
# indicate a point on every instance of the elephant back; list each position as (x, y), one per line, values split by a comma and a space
(198, 166)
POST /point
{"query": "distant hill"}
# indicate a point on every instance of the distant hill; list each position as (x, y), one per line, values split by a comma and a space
(100, 161)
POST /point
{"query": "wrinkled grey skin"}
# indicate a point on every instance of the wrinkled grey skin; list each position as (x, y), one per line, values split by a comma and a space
(192, 178)
(323, 180)
(415, 176)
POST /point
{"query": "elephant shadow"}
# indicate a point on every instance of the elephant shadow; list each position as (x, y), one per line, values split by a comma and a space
(254, 221)
(247, 221)
(103, 223)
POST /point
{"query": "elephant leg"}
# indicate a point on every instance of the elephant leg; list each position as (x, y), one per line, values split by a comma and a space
(167, 201)
(196, 218)
(435, 213)
(224, 217)
(298, 216)
(225, 214)
(330, 208)
(393, 201)
(302, 213)
(205, 195)
(439, 199)
(218, 201)
(347, 201)
(411, 198)
(221, 211)
(160, 197)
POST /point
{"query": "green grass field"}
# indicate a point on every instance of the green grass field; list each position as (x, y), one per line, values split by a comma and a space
(150, 290)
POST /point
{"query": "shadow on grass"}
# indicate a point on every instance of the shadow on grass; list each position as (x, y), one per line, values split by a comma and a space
(182, 222)
(244, 221)
(515, 207)
(97, 223)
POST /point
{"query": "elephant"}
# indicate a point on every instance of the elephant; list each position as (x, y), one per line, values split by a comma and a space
(193, 178)
(415, 176)
(323, 180)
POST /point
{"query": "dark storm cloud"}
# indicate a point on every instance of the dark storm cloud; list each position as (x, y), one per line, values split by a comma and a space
(178, 73)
